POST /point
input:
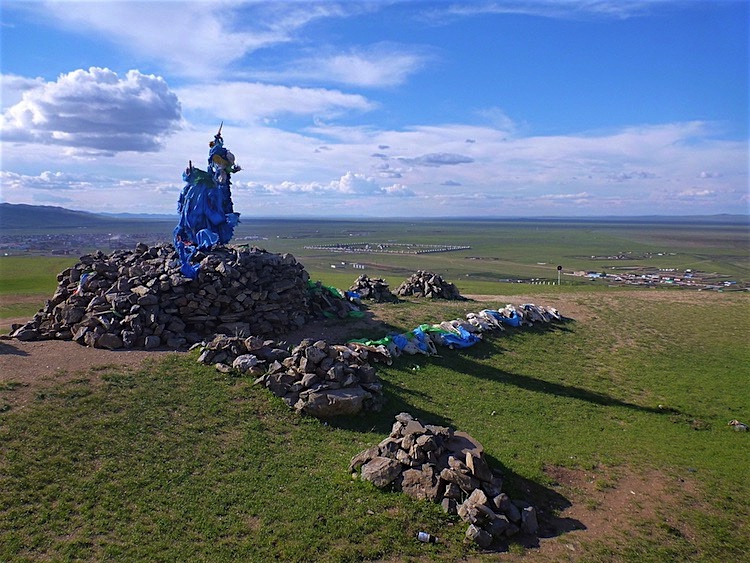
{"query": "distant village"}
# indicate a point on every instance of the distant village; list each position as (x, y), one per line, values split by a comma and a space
(652, 277)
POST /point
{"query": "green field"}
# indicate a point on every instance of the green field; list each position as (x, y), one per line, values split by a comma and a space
(176, 461)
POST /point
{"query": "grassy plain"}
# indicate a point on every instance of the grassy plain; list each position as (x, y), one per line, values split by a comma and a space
(175, 461)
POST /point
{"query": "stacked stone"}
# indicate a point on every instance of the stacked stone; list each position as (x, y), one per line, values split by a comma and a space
(325, 380)
(374, 289)
(249, 356)
(439, 464)
(429, 285)
(139, 298)
(314, 378)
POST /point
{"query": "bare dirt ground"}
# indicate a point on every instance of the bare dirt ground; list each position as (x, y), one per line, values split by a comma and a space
(28, 367)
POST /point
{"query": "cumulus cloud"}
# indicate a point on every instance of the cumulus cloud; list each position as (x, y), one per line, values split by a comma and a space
(450, 183)
(14, 87)
(250, 101)
(95, 109)
(437, 159)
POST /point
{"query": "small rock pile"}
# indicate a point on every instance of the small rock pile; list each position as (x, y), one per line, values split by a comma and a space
(429, 285)
(328, 302)
(374, 289)
(313, 378)
(139, 299)
(439, 464)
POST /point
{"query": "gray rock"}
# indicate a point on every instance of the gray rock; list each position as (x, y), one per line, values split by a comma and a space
(381, 471)
(152, 342)
(363, 457)
(529, 524)
(336, 403)
(499, 526)
(25, 334)
(109, 341)
(478, 467)
(421, 484)
(245, 362)
(478, 536)
(504, 505)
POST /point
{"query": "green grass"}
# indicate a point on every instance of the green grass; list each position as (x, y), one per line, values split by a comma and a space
(178, 462)
(31, 275)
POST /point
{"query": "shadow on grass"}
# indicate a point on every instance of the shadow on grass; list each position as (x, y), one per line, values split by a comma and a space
(464, 363)
(397, 400)
(548, 502)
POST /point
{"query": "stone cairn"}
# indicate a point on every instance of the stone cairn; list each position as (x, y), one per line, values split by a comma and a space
(439, 464)
(139, 298)
(429, 285)
(314, 378)
(374, 289)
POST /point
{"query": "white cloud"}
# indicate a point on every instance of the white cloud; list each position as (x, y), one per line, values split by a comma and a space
(570, 9)
(192, 38)
(696, 193)
(379, 65)
(249, 102)
(350, 184)
(14, 87)
(90, 191)
(625, 176)
(95, 109)
(437, 159)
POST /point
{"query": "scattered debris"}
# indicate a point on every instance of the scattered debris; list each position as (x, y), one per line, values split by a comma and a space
(738, 426)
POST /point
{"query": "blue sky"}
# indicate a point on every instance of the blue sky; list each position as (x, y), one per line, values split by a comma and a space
(382, 108)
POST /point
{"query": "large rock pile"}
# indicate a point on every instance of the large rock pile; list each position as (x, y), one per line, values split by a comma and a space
(429, 285)
(139, 298)
(374, 289)
(313, 378)
(441, 465)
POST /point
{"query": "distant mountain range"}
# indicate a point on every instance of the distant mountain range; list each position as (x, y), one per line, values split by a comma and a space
(39, 217)
(35, 217)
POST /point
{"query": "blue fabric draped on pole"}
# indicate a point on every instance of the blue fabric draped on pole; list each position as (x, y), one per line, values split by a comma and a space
(207, 216)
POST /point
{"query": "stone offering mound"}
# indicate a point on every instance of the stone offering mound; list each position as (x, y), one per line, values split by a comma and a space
(315, 378)
(439, 464)
(429, 285)
(140, 298)
(374, 289)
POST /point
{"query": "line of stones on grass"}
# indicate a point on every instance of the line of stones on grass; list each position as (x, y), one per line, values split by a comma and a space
(327, 380)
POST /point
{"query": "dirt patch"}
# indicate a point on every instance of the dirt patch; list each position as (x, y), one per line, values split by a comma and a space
(28, 367)
(604, 505)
